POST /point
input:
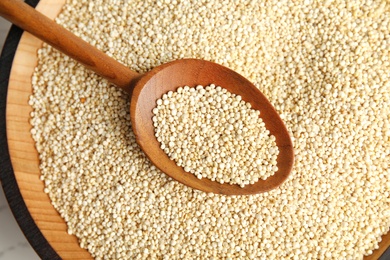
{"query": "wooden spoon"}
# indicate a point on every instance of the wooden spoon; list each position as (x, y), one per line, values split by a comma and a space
(146, 89)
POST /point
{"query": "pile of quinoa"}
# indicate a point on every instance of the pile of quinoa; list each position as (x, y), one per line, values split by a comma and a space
(325, 67)
(213, 133)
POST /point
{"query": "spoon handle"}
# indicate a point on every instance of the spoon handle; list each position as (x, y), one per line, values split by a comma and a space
(30, 20)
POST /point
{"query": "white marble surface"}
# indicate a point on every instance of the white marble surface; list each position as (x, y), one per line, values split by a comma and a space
(13, 244)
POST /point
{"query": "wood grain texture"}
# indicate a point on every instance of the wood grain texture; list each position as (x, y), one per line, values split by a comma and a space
(193, 72)
(24, 157)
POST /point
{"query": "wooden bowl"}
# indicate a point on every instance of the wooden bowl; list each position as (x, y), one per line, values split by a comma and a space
(40, 222)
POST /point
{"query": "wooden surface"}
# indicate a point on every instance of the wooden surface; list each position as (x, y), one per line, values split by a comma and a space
(22, 150)
(194, 72)
(24, 156)
(13, 244)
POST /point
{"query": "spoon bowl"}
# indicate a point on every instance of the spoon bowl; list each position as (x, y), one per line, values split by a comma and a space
(193, 72)
(146, 89)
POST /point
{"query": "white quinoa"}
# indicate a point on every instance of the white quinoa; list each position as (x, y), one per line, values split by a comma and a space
(214, 134)
(325, 67)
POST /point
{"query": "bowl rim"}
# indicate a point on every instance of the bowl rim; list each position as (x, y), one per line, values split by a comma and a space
(7, 175)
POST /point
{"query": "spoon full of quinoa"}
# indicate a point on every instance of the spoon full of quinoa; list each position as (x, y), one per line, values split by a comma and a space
(155, 88)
